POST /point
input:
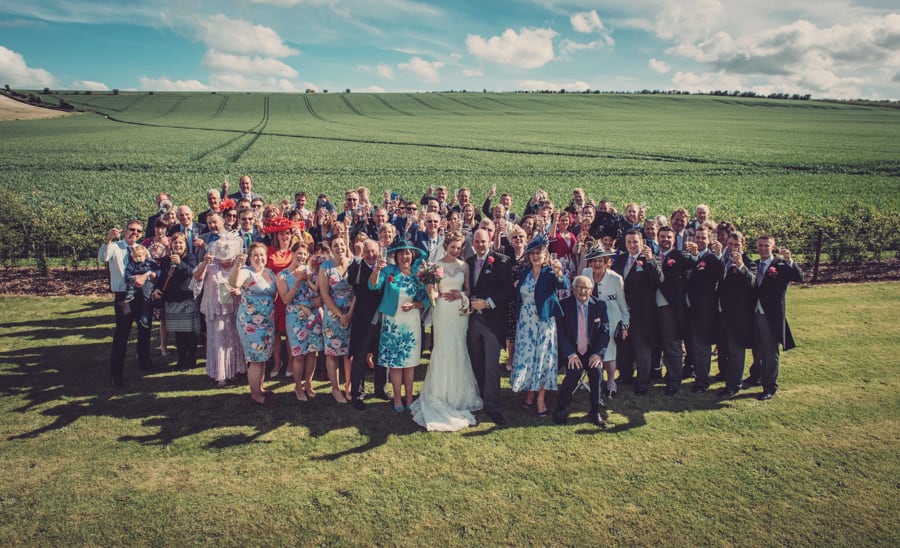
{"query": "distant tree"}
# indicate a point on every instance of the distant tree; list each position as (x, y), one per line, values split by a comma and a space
(88, 92)
(46, 91)
(7, 87)
(115, 91)
(310, 90)
(347, 90)
(324, 91)
(151, 92)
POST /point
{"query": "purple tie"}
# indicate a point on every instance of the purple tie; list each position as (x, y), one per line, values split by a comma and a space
(582, 329)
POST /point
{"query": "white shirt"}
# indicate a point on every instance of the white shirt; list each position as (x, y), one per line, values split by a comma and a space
(116, 254)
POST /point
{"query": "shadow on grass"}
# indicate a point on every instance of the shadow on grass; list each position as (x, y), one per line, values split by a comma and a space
(69, 382)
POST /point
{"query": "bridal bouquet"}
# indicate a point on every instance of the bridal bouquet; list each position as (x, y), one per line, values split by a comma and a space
(431, 274)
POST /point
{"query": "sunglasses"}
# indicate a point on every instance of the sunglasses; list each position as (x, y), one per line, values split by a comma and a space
(138, 230)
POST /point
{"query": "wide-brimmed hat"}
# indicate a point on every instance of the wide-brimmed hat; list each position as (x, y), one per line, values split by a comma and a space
(227, 247)
(537, 242)
(277, 224)
(399, 244)
(597, 252)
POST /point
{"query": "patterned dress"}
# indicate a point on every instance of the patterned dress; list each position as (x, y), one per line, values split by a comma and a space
(224, 352)
(401, 334)
(256, 326)
(535, 357)
(304, 335)
(337, 338)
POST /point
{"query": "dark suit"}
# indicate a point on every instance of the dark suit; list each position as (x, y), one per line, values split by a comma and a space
(487, 329)
(770, 326)
(598, 339)
(365, 327)
(670, 313)
(250, 195)
(196, 230)
(735, 292)
(641, 283)
(702, 312)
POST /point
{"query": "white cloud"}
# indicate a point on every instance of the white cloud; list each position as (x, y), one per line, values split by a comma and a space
(568, 46)
(16, 72)
(87, 84)
(836, 61)
(165, 84)
(541, 85)
(265, 66)
(588, 22)
(242, 82)
(659, 66)
(687, 20)
(385, 71)
(372, 89)
(238, 36)
(708, 81)
(530, 48)
(473, 73)
(423, 70)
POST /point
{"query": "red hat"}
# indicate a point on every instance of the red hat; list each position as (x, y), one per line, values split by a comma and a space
(273, 225)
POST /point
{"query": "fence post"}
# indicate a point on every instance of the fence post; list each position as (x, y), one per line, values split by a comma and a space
(815, 275)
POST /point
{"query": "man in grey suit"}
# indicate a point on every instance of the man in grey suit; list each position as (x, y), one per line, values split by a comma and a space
(491, 290)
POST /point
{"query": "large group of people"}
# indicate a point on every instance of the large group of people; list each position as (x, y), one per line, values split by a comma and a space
(573, 290)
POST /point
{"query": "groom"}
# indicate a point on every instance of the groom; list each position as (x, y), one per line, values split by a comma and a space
(490, 279)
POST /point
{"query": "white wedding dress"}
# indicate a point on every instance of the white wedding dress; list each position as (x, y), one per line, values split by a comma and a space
(450, 392)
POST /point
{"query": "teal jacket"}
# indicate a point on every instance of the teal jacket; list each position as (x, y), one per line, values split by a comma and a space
(389, 279)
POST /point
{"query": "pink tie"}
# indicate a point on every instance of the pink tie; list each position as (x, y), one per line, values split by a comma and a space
(582, 329)
(630, 264)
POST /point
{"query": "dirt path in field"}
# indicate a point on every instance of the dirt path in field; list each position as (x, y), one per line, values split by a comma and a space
(10, 109)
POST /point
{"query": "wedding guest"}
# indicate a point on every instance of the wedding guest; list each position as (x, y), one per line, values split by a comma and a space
(516, 253)
(337, 298)
(298, 289)
(534, 369)
(278, 257)
(401, 305)
(182, 313)
(609, 288)
(224, 354)
(256, 327)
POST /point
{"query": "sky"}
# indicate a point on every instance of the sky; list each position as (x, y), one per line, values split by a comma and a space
(841, 49)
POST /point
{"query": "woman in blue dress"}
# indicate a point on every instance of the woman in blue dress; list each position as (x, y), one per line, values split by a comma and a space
(338, 301)
(297, 288)
(535, 358)
(404, 298)
(256, 324)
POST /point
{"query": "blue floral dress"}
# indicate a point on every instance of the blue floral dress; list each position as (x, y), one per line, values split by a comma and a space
(304, 335)
(401, 334)
(535, 357)
(337, 338)
(256, 324)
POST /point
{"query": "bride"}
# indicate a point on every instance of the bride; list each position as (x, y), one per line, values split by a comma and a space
(450, 392)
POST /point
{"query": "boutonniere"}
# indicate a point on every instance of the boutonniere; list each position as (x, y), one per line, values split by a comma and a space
(490, 260)
(390, 279)
(772, 271)
(640, 262)
(671, 262)
(701, 265)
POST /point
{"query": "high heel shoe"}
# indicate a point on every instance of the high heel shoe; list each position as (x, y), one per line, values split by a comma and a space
(338, 395)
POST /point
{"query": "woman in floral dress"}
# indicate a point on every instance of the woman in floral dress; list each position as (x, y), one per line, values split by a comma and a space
(404, 298)
(337, 298)
(256, 324)
(297, 288)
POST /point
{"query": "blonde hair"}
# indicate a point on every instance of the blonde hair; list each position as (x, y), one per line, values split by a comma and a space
(139, 253)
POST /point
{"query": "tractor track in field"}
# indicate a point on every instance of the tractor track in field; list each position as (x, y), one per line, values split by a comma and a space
(461, 102)
(384, 102)
(221, 108)
(350, 106)
(257, 133)
(311, 110)
(430, 106)
(174, 107)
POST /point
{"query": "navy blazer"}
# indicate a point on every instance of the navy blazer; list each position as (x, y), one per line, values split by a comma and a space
(702, 313)
(675, 266)
(640, 292)
(567, 327)
(544, 292)
(735, 292)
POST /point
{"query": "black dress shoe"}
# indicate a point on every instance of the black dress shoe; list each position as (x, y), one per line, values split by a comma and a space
(765, 396)
(116, 383)
(560, 417)
(688, 372)
(625, 380)
(699, 389)
(597, 419)
(358, 404)
(641, 391)
(671, 391)
(719, 377)
(150, 367)
(611, 394)
(382, 395)
(749, 382)
(726, 394)
(497, 418)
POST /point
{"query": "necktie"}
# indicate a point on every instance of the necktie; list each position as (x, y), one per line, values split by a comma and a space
(190, 240)
(582, 329)
(760, 271)
(478, 264)
(630, 264)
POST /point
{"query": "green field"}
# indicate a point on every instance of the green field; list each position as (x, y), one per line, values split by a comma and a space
(174, 461)
(738, 155)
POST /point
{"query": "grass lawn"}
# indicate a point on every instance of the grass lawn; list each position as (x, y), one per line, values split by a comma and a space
(173, 460)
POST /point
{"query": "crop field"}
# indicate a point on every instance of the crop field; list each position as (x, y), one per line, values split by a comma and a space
(737, 155)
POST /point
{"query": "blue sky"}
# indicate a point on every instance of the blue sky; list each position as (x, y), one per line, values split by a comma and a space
(827, 48)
